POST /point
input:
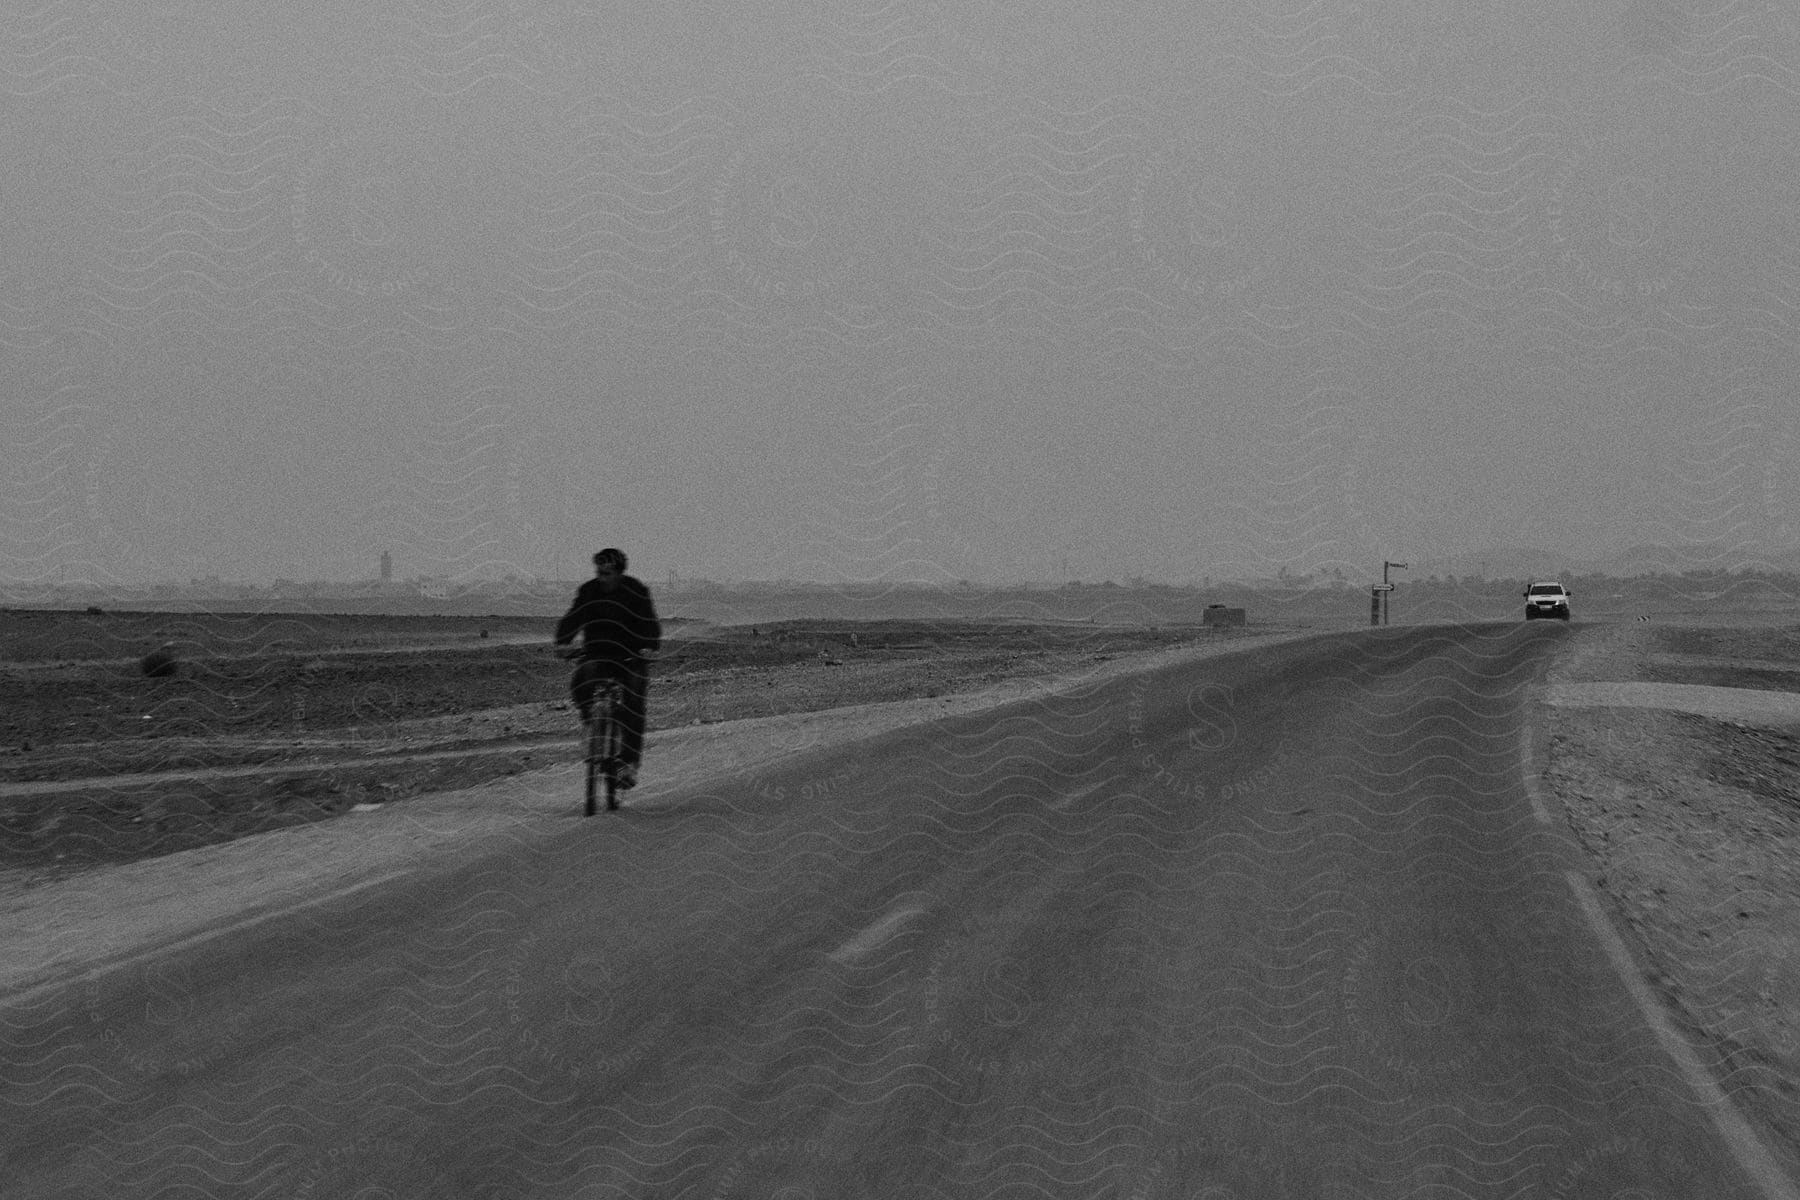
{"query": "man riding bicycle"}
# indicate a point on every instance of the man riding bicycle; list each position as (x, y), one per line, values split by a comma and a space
(619, 630)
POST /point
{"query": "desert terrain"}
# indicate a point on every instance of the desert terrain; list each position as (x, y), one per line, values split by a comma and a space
(272, 721)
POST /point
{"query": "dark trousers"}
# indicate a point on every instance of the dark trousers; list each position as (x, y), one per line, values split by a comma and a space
(587, 677)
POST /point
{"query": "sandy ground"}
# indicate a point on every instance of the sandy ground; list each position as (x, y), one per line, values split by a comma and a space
(57, 925)
(1747, 705)
(100, 764)
(1686, 798)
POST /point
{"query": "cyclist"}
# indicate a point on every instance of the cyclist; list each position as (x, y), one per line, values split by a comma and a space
(619, 630)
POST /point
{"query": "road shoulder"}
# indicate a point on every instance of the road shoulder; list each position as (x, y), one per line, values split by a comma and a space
(1682, 798)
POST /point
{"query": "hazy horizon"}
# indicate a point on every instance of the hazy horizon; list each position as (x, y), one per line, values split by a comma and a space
(910, 290)
(1502, 565)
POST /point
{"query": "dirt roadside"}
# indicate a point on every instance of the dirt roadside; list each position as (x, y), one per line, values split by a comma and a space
(59, 923)
(1685, 794)
(106, 765)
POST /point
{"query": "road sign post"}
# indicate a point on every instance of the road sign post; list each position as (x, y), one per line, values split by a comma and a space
(1387, 587)
(1378, 594)
(1377, 608)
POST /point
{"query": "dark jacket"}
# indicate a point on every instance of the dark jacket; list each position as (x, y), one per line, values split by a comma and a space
(616, 628)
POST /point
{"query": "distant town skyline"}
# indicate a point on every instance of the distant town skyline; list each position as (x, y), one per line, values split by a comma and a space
(1493, 563)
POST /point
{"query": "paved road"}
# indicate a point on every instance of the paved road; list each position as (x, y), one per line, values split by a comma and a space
(1277, 925)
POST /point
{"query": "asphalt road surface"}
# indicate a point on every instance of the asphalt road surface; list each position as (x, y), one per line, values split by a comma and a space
(1282, 924)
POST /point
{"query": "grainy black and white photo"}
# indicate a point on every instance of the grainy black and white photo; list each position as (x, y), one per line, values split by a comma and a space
(900, 599)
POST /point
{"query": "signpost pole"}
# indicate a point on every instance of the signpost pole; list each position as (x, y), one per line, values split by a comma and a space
(1387, 587)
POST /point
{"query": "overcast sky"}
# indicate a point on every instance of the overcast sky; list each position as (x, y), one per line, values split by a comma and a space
(938, 289)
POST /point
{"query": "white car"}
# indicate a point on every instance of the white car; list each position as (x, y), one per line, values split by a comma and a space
(1547, 600)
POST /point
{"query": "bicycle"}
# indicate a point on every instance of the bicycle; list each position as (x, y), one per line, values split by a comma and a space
(605, 745)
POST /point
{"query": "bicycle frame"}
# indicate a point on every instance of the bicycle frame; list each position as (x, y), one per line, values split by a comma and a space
(605, 739)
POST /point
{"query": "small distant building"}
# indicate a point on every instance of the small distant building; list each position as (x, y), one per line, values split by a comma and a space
(387, 567)
(1218, 614)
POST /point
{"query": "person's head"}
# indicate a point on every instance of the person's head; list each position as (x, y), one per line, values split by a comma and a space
(609, 567)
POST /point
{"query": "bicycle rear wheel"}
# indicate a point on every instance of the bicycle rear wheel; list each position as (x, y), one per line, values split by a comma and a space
(596, 745)
(612, 746)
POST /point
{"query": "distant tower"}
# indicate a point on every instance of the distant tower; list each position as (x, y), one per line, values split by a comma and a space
(387, 567)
